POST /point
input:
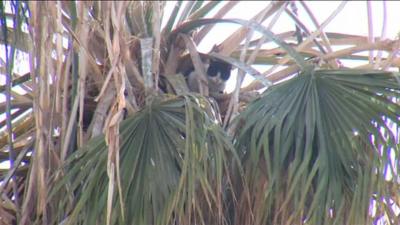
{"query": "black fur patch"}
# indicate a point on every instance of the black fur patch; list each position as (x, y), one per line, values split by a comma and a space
(219, 66)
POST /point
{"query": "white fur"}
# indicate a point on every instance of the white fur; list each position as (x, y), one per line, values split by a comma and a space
(215, 84)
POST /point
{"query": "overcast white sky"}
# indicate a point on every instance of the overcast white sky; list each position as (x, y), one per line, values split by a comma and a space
(351, 20)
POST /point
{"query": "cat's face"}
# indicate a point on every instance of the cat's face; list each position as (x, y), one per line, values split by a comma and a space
(218, 71)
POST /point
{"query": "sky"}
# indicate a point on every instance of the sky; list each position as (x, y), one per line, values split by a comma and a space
(351, 20)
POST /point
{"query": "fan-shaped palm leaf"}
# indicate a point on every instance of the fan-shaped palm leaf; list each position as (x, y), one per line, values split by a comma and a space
(173, 157)
(317, 148)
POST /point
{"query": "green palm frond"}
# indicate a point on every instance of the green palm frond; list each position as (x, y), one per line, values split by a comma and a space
(173, 157)
(317, 147)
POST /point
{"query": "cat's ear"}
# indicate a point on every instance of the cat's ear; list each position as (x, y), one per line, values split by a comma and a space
(185, 63)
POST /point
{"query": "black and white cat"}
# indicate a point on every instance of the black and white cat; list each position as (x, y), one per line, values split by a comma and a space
(218, 72)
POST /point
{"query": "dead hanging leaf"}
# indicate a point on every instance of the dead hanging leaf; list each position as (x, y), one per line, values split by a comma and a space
(7, 211)
(115, 115)
(37, 186)
(111, 130)
(65, 90)
(60, 54)
(112, 140)
(91, 59)
(107, 80)
(83, 33)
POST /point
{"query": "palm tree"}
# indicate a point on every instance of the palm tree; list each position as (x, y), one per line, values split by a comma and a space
(103, 129)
